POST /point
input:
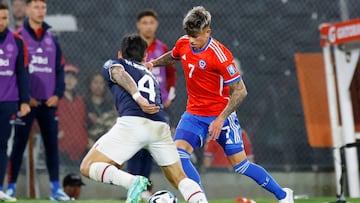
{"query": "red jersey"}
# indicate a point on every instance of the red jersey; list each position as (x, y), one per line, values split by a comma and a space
(165, 75)
(208, 72)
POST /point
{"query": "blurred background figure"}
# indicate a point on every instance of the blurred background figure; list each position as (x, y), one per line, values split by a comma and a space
(73, 137)
(72, 184)
(147, 23)
(101, 113)
(18, 8)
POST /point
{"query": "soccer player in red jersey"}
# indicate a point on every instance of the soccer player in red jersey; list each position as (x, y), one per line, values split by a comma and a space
(210, 74)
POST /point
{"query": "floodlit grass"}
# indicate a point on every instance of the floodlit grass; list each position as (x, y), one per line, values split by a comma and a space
(312, 200)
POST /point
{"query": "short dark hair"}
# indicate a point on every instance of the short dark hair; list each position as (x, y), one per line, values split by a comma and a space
(29, 1)
(12, 1)
(147, 12)
(3, 6)
(196, 20)
(133, 47)
(72, 179)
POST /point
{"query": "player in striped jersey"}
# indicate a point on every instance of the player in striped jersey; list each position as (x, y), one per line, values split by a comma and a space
(142, 123)
(210, 74)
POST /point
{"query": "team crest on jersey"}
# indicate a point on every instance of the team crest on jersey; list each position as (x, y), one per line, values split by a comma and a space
(202, 64)
(231, 69)
(10, 47)
(48, 40)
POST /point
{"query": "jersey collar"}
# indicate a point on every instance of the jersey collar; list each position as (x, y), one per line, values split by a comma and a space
(203, 49)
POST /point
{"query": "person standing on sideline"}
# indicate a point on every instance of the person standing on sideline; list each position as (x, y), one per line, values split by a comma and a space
(147, 23)
(46, 68)
(211, 75)
(141, 123)
(18, 8)
(14, 88)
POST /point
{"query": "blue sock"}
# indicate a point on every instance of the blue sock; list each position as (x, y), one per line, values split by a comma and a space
(188, 167)
(11, 186)
(55, 185)
(261, 177)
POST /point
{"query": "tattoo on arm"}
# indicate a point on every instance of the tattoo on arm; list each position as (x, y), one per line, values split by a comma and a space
(239, 93)
(164, 60)
(123, 79)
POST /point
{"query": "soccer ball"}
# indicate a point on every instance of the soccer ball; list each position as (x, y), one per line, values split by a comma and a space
(244, 200)
(163, 196)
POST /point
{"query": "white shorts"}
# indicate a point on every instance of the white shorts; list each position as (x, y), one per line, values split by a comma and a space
(131, 133)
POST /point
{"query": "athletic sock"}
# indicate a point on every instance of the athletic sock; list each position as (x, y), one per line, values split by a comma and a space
(11, 186)
(191, 191)
(261, 177)
(107, 173)
(188, 167)
(55, 185)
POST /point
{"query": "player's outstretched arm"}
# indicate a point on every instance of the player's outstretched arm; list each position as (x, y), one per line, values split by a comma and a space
(163, 60)
(122, 78)
(239, 92)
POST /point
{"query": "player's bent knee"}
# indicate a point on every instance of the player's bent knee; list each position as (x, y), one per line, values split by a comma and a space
(237, 158)
(85, 168)
(182, 144)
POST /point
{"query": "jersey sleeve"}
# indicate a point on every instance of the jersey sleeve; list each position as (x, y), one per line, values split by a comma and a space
(229, 71)
(59, 68)
(106, 71)
(22, 70)
(175, 52)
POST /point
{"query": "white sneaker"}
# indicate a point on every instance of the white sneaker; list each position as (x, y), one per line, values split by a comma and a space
(10, 192)
(6, 198)
(60, 195)
(289, 196)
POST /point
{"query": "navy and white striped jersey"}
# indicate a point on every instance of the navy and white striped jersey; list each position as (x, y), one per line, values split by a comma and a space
(146, 83)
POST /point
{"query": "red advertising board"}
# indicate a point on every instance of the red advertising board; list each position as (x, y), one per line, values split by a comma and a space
(340, 33)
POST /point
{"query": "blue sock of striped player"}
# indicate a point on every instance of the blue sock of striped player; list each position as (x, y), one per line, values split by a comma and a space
(55, 185)
(261, 177)
(188, 167)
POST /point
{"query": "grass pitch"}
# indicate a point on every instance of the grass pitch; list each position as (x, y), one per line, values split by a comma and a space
(310, 200)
